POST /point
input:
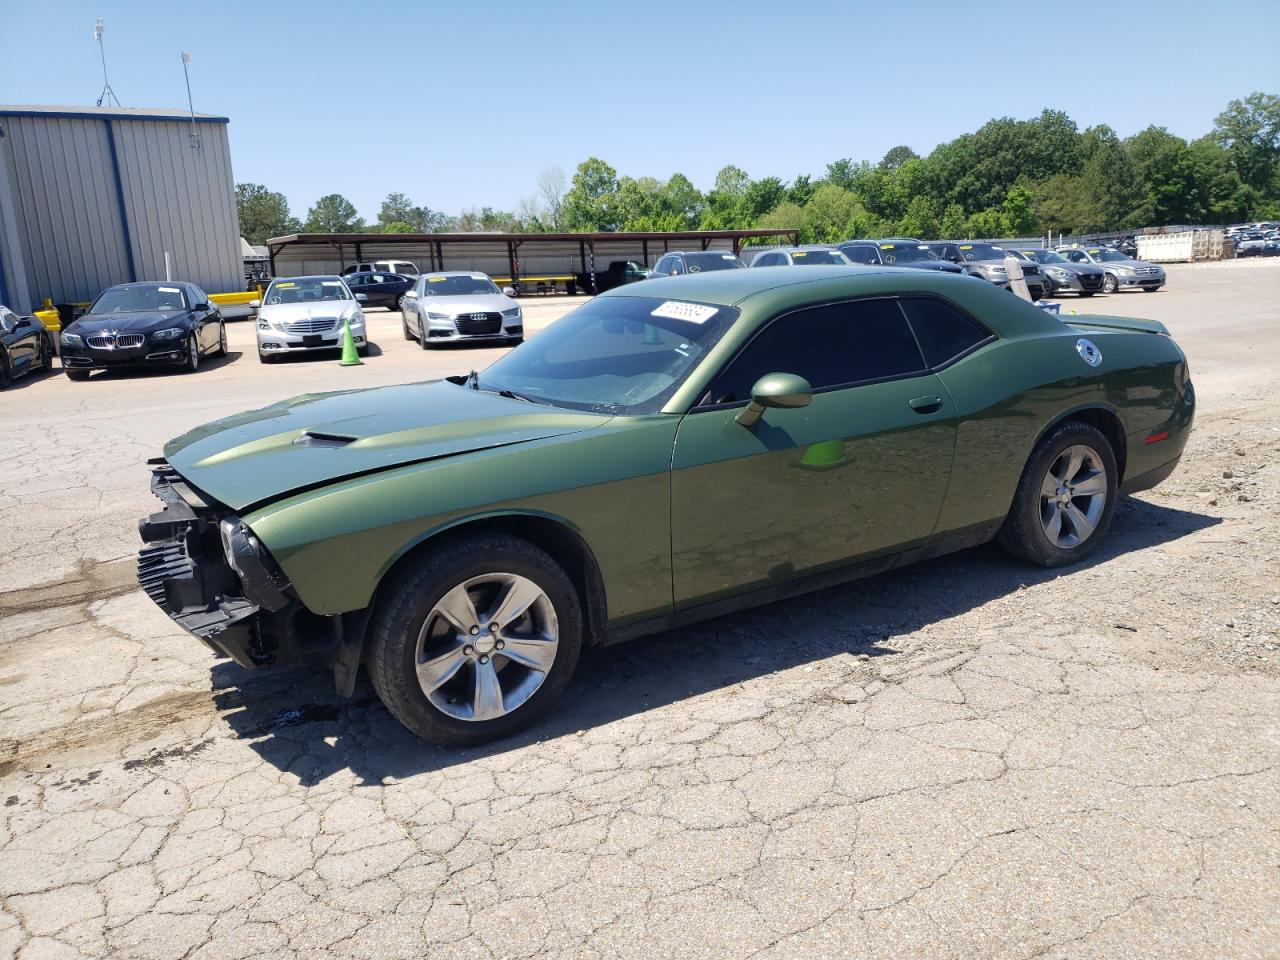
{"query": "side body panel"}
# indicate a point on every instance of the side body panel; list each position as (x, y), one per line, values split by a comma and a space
(1009, 393)
(856, 474)
(335, 543)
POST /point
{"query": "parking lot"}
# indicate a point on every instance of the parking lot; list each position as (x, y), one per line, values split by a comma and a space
(967, 758)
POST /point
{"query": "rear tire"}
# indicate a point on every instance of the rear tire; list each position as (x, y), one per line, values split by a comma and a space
(409, 634)
(1065, 499)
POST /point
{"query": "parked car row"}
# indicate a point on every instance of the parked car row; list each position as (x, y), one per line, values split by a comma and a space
(1260, 239)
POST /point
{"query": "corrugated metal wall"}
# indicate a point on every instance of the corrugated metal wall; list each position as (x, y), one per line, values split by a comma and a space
(65, 203)
(182, 200)
(68, 211)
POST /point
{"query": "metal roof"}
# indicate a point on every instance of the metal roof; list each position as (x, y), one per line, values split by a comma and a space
(392, 239)
(105, 113)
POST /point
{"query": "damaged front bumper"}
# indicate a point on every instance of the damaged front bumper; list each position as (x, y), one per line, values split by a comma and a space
(208, 572)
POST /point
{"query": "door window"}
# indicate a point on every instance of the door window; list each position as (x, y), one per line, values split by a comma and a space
(833, 345)
(677, 266)
(942, 331)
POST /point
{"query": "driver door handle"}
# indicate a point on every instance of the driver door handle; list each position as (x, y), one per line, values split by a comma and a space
(928, 404)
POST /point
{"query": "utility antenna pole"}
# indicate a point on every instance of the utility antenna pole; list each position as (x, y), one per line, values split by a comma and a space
(195, 138)
(107, 93)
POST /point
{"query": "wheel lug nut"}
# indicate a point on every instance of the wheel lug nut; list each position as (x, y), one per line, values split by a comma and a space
(474, 631)
(484, 659)
(501, 644)
(493, 628)
(468, 651)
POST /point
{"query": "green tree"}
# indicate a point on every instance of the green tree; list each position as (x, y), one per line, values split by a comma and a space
(1249, 129)
(919, 220)
(590, 202)
(952, 226)
(263, 213)
(397, 226)
(334, 213)
(897, 156)
(1109, 179)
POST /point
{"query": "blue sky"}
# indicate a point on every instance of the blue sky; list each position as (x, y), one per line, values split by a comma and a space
(463, 104)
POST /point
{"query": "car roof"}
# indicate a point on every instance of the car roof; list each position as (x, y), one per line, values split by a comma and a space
(730, 287)
(148, 284)
(312, 276)
(455, 273)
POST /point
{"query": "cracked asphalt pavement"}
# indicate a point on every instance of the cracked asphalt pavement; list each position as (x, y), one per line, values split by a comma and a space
(968, 758)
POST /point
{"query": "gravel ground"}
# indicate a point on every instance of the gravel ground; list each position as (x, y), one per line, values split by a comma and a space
(968, 758)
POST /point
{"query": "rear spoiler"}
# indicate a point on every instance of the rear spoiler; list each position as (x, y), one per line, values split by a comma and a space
(1115, 323)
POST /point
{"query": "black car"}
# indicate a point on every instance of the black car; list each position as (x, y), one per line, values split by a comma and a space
(896, 253)
(679, 262)
(380, 289)
(144, 325)
(24, 346)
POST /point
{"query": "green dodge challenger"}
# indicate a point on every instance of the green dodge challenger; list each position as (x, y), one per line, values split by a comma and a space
(670, 451)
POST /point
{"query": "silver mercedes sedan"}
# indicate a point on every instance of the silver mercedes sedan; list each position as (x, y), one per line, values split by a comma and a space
(457, 305)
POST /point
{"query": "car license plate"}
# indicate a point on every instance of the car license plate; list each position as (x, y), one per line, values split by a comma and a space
(312, 340)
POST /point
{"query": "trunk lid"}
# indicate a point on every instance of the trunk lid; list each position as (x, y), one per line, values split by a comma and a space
(1103, 323)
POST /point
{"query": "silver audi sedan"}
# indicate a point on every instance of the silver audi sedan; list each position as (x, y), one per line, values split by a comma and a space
(458, 305)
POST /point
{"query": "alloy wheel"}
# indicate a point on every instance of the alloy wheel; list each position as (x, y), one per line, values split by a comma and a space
(1073, 496)
(193, 354)
(487, 646)
(1110, 284)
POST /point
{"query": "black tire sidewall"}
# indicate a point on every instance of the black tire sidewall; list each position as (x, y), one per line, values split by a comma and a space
(1023, 534)
(406, 600)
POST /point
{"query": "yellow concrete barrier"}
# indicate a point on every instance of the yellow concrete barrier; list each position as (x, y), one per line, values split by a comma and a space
(51, 319)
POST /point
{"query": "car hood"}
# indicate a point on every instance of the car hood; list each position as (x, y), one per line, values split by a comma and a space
(262, 455)
(486, 303)
(1079, 269)
(289, 312)
(943, 265)
(143, 321)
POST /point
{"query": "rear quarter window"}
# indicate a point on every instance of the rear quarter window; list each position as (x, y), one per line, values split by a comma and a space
(942, 331)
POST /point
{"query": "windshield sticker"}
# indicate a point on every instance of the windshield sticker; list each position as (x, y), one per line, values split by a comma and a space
(169, 290)
(727, 256)
(286, 286)
(799, 253)
(886, 246)
(692, 312)
(330, 283)
(966, 246)
(436, 279)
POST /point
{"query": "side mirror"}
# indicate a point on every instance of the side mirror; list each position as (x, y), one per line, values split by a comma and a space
(781, 390)
(508, 291)
(201, 308)
(361, 297)
(255, 304)
(411, 294)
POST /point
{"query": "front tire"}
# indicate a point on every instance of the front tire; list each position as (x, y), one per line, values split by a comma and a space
(1065, 499)
(422, 334)
(192, 363)
(476, 640)
(1110, 284)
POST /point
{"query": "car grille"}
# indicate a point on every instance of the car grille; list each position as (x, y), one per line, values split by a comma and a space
(1090, 281)
(119, 341)
(479, 324)
(1147, 271)
(310, 325)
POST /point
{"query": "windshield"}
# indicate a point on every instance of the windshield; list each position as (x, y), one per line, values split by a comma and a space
(613, 354)
(702, 262)
(306, 290)
(139, 300)
(463, 286)
(906, 253)
(981, 251)
(1043, 256)
(1108, 256)
(804, 258)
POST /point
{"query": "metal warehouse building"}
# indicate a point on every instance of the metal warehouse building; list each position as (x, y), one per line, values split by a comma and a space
(93, 196)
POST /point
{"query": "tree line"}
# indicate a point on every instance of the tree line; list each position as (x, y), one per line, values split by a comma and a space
(1008, 178)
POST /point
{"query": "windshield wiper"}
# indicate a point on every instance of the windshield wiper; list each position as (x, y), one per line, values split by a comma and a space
(512, 395)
